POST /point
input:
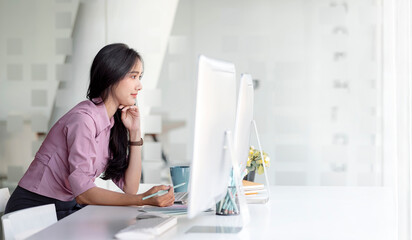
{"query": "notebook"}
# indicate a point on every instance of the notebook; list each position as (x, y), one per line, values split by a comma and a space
(181, 197)
(175, 209)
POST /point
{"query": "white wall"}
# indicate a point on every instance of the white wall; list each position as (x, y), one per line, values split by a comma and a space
(103, 22)
(33, 37)
(34, 42)
(317, 107)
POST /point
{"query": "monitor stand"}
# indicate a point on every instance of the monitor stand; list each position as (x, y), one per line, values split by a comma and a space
(244, 209)
(261, 155)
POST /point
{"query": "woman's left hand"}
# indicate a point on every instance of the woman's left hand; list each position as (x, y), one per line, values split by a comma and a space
(131, 117)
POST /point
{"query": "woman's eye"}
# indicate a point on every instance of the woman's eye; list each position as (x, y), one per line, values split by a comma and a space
(140, 77)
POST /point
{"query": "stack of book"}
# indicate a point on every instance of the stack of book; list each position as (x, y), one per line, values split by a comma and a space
(255, 192)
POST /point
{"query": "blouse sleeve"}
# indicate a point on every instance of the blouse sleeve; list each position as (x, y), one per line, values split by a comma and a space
(81, 145)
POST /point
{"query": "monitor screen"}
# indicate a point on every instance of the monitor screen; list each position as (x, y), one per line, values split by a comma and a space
(244, 118)
(215, 114)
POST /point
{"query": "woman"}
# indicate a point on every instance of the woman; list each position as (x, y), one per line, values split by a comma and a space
(98, 135)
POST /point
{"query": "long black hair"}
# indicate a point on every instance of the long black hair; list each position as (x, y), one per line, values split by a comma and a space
(110, 65)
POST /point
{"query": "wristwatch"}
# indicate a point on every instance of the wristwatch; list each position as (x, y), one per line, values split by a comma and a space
(138, 143)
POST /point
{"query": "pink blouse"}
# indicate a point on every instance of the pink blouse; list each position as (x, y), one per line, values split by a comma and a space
(73, 155)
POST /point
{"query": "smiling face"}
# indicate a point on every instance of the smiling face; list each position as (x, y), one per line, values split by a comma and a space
(126, 90)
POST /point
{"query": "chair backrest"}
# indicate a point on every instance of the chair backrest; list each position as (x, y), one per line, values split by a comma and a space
(23, 223)
(4, 197)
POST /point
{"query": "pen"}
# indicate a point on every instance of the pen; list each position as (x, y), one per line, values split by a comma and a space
(162, 191)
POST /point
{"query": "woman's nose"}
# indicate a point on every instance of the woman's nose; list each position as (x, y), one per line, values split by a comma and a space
(139, 85)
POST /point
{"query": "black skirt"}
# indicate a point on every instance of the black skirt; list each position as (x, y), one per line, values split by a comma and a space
(22, 198)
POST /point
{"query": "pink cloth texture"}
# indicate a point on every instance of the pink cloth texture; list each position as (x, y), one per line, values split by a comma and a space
(73, 155)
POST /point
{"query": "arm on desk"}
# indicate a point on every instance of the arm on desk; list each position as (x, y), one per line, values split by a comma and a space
(100, 196)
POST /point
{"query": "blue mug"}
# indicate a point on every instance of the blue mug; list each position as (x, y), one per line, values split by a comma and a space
(180, 174)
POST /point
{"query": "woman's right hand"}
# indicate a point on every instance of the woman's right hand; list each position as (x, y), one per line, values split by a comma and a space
(161, 201)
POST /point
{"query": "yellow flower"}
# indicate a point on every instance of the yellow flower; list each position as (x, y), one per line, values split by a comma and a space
(248, 163)
(260, 169)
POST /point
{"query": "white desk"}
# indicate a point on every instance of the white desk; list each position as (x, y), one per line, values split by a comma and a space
(293, 213)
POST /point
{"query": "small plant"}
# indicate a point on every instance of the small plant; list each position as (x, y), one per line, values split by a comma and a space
(254, 161)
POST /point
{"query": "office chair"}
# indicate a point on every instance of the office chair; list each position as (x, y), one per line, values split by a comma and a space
(4, 197)
(23, 223)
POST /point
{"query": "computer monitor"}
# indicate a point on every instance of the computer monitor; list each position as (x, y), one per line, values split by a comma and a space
(215, 115)
(244, 118)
